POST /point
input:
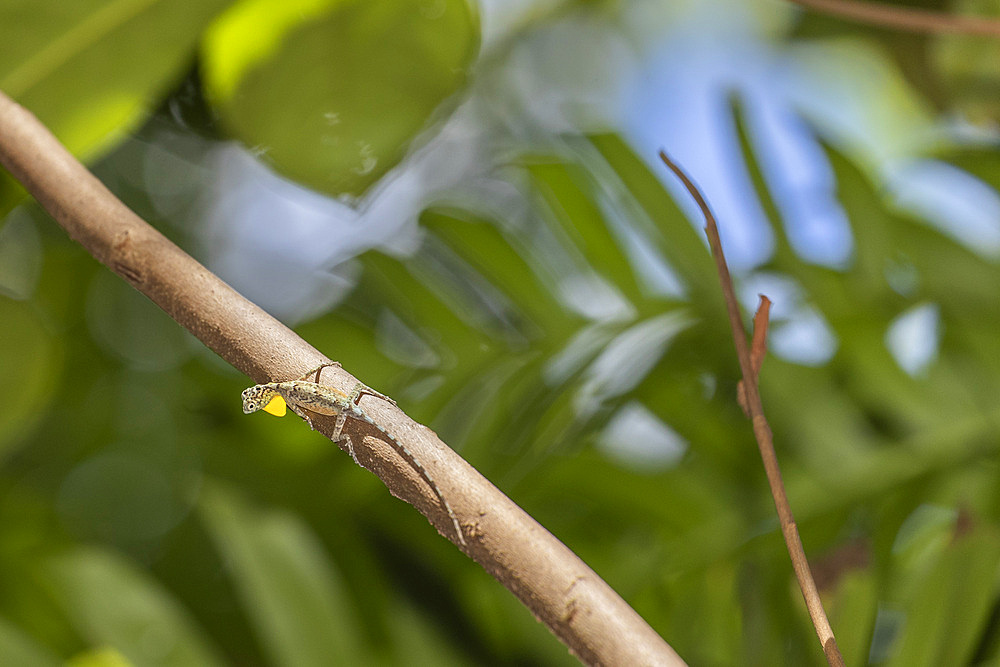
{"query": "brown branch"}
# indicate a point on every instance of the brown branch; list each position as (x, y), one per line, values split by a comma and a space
(581, 609)
(761, 429)
(758, 349)
(908, 19)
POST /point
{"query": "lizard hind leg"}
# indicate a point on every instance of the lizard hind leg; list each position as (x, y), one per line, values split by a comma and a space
(361, 389)
(340, 436)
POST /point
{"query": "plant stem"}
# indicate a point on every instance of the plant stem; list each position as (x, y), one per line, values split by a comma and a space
(905, 18)
(761, 429)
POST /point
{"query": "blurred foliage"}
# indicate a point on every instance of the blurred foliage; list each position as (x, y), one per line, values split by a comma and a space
(144, 520)
(388, 64)
(92, 70)
(969, 68)
(955, 72)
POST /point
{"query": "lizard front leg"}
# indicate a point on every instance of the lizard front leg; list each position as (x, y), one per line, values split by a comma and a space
(301, 413)
(319, 369)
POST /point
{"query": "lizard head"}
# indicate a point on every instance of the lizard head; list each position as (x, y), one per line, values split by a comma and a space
(262, 397)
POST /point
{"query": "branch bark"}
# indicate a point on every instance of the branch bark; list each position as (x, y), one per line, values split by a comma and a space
(750, 361)
(908, 19)
(577, 605)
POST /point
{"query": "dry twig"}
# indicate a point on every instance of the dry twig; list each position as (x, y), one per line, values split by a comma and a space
(758, 350)
(905, 18)
(761, 429)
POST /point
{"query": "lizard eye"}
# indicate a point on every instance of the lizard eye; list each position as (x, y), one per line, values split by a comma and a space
(250, 403)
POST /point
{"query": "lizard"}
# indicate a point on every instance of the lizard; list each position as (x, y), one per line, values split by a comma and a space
(304, 396)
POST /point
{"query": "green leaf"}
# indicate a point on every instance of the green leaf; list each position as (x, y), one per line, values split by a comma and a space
(30, 357)
(19, 649)
(92, 69)
(499, 261)
(567, 190)
(289, 586)
(102, 657)
(663, 223)
(420, 642)
(333, 91)
(852, 611)
(952, 605)
(113, 604)
(966, 65)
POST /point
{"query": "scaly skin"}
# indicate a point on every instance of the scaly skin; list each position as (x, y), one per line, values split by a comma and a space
(304, 396)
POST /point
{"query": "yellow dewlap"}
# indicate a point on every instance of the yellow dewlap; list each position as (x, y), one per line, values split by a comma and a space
(276, 406)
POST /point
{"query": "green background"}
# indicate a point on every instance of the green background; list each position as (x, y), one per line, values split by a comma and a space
(145, 520)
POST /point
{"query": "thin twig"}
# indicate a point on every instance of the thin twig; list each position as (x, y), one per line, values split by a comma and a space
(761, 429)
(758, 349)
(562, 592)
(908, 19)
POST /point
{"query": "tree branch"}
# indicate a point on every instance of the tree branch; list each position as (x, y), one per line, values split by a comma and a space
(905, 18)
(761, 429)
(580, 608)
